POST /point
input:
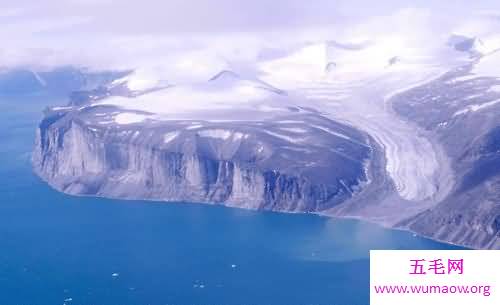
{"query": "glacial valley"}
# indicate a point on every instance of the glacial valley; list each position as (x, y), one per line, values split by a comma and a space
(371, 132)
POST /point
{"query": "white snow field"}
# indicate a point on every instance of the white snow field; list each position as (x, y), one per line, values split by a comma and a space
(488, 66)
(129, 118)
(224, 92)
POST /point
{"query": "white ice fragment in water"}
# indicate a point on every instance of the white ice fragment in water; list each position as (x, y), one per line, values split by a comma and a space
(115, 274)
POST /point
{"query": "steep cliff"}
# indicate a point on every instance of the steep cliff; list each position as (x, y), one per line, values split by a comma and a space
(284, 164)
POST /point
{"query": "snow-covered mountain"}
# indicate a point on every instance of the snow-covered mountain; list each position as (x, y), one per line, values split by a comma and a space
(399, 131)
(227, 140)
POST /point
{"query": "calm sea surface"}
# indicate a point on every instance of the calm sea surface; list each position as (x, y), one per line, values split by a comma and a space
(57, 249)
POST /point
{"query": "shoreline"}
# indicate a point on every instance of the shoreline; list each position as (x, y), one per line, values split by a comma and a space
(317, 214)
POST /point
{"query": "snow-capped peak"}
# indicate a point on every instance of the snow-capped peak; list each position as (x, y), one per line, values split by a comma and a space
(227, 78)
(141, 80)
(225, 75)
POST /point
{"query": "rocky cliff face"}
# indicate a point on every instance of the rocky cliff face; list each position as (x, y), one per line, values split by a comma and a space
(462, 111)
(273, 166)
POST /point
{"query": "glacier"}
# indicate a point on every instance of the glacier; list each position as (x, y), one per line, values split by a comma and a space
(363, 129)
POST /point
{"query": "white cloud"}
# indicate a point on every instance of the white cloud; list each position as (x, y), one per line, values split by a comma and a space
(200, 35)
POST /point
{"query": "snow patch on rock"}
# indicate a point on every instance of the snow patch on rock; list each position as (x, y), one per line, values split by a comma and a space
(130, 118)
(170, 136)
(222, 134)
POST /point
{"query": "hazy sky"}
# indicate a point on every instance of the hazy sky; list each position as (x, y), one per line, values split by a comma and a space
(104, 33)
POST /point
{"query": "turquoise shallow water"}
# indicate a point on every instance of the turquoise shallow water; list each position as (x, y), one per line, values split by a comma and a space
(91, 251)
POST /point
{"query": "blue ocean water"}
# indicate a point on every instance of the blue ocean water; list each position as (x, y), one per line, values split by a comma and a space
(57, 249)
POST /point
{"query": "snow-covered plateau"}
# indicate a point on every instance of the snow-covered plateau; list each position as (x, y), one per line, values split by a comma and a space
(403, 134)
